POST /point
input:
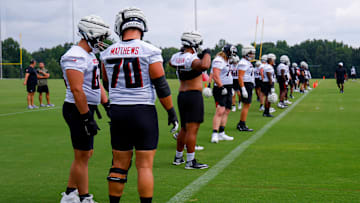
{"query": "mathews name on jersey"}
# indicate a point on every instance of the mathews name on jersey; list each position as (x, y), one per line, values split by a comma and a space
(127, 68)
(76, 58)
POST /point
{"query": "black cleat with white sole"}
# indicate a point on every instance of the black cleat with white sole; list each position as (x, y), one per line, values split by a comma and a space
(268, 115)
(195, 165)
(178, 161)
(244, 128)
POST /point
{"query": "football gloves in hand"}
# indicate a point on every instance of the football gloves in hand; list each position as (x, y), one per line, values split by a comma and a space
(244, 93)
(90, 125)
(172, 119)
(224, 91)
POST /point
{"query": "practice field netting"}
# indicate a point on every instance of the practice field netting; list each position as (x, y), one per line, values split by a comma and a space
(311, 154)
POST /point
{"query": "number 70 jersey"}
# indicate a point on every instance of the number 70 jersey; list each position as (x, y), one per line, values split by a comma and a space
(127, 69)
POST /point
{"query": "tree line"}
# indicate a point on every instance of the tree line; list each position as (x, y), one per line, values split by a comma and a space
(321, 55)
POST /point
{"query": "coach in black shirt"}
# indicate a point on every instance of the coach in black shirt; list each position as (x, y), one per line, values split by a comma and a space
(340, 76)
(30, 82)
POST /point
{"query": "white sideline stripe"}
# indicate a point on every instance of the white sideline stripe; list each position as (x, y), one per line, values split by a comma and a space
(186, 193)
(29, 111)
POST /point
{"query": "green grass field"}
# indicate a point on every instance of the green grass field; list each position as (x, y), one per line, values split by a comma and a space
(310, 155)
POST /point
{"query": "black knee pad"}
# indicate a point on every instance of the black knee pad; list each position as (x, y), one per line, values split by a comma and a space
(116, 179)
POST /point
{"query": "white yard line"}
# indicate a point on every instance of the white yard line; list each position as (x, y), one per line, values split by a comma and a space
(186, 193)
(29, 111)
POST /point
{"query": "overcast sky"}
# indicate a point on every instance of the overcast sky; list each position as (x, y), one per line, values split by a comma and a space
(47, 23)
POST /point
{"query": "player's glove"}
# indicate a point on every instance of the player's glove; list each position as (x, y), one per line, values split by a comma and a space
(272, 90)
(202, 54)
(244, 93)
(223, 91)
(172, 119)
(107, 108)
(91, 127)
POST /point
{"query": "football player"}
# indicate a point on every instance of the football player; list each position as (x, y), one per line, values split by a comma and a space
(83, 93)
(222, 92)
(302, 76)
(288, 78)
(30, 80)
(281, 78)
(246, 82)
(353, 73)
(189, 66)
(293, 76)
(340, 74)
(233, 66)
(258, 83)
(268, 82)
(133, 70)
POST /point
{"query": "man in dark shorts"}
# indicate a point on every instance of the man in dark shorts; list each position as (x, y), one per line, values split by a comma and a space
(43, 75)
(30, 82)
(340, 74)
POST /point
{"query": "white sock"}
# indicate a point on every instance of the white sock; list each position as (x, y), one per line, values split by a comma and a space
(179, 154)
(190, 156)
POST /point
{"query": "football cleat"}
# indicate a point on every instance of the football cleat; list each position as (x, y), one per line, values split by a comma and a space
(50, 105)
(30, 107)
(262, 108)
(244, 128)
(281, 105)
(193, 164)
(72, 197)
(272, 110)
(197, 147)
(287, 102)
(88, 199)
(42, 105)
(177, 161)
(223, 136)
(35, 107)
(267, 115)
(215, 138)
(233, 108)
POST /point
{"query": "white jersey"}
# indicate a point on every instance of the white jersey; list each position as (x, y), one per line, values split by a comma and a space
(76, 58)
(279, 68)
(225, 72)
(257, 72)
(247, 66)
(234, 71)
(268, 69)
(127, 68)
(287, 73)
(353, 71)
(307, 74)
(182, 62)
(262, 69)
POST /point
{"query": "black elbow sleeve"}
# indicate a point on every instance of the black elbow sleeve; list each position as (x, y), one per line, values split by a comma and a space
(161, 86)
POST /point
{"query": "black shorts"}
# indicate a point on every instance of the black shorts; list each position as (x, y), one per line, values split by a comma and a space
(249, 86)
(223, 100)
(80, 140)
(302, 79)
(134, 126)
(266, 88)
(258, 82)
(191, 107)
(282, 85)
(236, 85)
(42, 89)
(340, 81)
(30, 87)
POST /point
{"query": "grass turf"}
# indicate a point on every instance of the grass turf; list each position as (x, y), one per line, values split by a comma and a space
(311, 155)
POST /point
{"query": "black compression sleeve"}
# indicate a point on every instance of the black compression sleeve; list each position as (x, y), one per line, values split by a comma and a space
(161, 86)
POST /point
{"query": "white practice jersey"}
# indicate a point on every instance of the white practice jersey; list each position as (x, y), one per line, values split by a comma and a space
(185, 60)
(127, 68)
(247, 66)
(76, 58)
(353, 71)
(307, 74)
(257, 72)
(234, 71)
(287, 73)
(225, 72)
(279, 68)
(268, 69)
(182, 62)
(262, 66)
